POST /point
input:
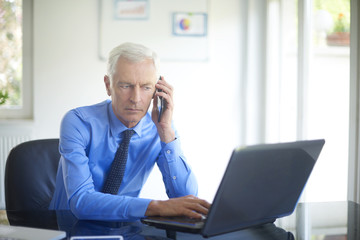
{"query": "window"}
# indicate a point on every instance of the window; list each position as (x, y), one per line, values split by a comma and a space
(296, 82)
(16, 56)
(312, 62)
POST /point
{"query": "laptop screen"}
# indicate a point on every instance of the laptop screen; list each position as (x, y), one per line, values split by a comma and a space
(261, 184)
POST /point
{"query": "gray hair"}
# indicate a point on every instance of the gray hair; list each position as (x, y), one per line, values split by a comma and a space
(132, 52)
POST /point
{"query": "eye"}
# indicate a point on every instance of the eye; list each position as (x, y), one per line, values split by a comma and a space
(147, 88)
(124, 86)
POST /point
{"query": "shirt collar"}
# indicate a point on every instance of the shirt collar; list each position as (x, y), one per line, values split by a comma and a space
(117, 127)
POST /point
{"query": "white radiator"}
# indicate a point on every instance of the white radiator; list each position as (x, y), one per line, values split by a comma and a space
(9, 138)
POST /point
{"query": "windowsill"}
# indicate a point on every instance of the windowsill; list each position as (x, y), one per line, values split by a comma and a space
(12, 122)
(332, 51)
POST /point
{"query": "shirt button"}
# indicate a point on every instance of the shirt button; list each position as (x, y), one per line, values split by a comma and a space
(168, 151)
(174, 177)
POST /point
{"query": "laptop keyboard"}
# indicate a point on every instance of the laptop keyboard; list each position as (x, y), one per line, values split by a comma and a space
(186, 219)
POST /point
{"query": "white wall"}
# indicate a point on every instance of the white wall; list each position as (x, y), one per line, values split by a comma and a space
(68, 74)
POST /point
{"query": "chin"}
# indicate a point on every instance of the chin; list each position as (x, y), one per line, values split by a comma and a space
(132, 122)
(133, 119)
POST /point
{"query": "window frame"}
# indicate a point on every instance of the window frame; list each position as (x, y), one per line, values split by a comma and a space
(354, 122)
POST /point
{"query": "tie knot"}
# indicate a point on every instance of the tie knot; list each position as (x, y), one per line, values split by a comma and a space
(128, 133)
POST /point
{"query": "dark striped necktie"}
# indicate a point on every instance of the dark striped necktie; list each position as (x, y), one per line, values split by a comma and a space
(117, 170)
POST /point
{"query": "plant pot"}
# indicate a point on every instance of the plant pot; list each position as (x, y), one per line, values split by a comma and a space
(338, 39)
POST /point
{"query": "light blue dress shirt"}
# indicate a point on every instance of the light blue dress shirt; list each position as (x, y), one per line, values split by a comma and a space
(89, 138)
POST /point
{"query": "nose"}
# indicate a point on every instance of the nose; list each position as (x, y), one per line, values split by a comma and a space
(135, 95)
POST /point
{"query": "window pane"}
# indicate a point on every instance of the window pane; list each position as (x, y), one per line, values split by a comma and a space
(10, 53)
(328, 97)
(289, 69)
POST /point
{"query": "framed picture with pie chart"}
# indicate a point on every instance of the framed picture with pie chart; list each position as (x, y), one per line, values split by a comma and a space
(190, 24)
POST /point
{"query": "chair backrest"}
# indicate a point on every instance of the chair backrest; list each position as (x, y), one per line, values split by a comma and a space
(30, 174)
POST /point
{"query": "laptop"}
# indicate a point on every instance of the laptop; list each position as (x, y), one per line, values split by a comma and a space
(261, 183)
(27, 233)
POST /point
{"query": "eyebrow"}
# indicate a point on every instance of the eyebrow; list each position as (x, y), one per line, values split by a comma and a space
(128, 83)
(149, 84)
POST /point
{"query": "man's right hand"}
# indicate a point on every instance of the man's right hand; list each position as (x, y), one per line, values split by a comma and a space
(189, 206)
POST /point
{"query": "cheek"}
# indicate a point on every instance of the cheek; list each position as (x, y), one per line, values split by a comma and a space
(119, 95)
(149, 96)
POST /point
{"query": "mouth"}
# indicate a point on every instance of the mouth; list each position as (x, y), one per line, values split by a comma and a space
(133, 110)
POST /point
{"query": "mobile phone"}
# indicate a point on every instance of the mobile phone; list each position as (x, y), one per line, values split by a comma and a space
(162, 104)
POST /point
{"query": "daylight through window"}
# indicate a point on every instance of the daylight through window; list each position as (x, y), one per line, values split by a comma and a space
(11, 53)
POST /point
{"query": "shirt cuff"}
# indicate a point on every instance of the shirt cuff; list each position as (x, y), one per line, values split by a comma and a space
(138, 207)
(171, 150)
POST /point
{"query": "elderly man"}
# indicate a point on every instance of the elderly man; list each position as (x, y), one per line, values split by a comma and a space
(109, 149)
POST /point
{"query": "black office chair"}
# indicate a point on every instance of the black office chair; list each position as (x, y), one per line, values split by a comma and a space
(30, 174)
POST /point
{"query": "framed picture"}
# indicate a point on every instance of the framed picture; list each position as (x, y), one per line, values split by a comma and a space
(131, 9)
(189, 24)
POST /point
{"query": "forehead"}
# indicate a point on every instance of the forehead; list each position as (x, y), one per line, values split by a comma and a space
(127, 71)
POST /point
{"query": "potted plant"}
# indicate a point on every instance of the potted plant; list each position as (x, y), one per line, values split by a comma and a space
(341, 34)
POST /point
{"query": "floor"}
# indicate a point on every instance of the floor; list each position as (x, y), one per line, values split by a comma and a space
(3, 218)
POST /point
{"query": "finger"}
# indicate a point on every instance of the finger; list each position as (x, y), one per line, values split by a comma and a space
(195, 206)
(164, 93)
(155, 100)
(206, 204)
(193, 214)
(199, 208)
(165, 87)
(155, 105)
(191, 197)
(203, 202)
(167, 98)
(155, 110)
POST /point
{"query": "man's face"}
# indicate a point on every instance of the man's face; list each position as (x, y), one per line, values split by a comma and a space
(131, 90)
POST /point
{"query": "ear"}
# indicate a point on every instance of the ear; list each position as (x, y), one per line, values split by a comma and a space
(107, 85)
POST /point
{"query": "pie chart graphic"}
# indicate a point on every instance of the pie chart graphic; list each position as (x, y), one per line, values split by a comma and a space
(184, 24)
(189, 24)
